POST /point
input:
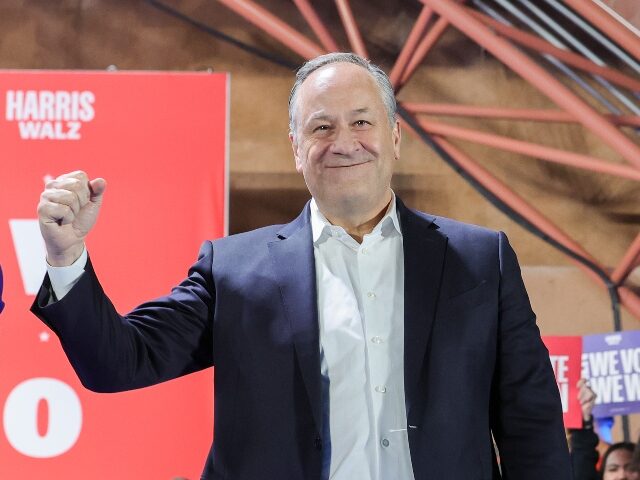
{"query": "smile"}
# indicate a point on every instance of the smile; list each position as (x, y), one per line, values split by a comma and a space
(349, 165)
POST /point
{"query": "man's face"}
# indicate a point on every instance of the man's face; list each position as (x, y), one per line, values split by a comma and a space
(343, 143)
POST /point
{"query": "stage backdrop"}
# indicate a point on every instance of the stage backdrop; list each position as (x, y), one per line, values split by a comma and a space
(161, 140)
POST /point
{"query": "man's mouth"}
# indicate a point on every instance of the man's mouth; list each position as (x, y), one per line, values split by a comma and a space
(348, 165)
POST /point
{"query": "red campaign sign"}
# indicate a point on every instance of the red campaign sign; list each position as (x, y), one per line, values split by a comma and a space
(161, 141)
(565, 354)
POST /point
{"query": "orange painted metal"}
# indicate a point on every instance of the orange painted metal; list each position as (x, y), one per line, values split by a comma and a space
(627, 297)
(275, 27)
(630, 299)
(410, 44)
(525, 114)
(539, 77)
(351, 27)
(542, 46)
(312, 18)
(603, 20)
(532, 149)
(513, 200)
(426, 44)
(474, 24)
(630, 260)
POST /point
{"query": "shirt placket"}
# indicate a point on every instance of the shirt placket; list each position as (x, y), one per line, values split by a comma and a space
(376, 347)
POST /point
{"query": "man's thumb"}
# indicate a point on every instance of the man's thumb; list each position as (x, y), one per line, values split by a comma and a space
(97, 187)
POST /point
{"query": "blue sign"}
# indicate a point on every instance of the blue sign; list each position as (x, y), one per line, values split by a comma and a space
(611, 363)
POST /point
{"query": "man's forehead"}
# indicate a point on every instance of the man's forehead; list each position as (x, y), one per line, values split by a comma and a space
(336, 74)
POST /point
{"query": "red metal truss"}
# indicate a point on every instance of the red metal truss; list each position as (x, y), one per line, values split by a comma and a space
(601, 19)
(316, 25)
(351, 27)
(529, 114)
(503, 41)
(536, 43)
(410, 45)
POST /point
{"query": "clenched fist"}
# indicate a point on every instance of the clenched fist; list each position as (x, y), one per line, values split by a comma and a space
(68, 209)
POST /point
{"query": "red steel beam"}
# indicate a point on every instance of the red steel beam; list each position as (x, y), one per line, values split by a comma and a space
(351, 27)
(308, 49)
(605, 22)
(536, 43)
(509, 197)
(513, 200)
(275, 27)
(628, 298)
(526, 114)
(532, 149)
(312, 18)
(410, 45)
(428, 41)
(537, 76)
(628, 262)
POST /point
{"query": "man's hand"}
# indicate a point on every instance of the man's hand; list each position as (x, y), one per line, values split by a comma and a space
(68, 209)
(587, 399)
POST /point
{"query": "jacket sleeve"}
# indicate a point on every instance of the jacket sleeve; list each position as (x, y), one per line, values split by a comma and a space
(526, 413)
(584, 453)
(157, 341)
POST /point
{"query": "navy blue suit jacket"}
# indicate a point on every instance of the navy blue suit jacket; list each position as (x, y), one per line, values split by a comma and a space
(474, 362)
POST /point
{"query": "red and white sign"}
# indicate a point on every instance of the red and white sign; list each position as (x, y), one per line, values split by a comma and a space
(161, 142)
(565, 354)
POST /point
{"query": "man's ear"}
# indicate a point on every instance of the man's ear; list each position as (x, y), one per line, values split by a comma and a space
(397, 137)
(294, 147)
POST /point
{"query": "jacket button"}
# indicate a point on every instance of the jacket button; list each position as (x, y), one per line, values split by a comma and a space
(318, 443)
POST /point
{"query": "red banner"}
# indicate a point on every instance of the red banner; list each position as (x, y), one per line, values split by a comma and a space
(161, 141)
(565, 354)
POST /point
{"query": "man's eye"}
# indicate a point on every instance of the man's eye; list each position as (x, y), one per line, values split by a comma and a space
(361, 123)
(321, 128)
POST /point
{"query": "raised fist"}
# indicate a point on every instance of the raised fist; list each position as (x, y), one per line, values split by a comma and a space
(68, 209)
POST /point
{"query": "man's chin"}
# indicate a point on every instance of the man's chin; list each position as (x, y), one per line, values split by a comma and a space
(352, 196)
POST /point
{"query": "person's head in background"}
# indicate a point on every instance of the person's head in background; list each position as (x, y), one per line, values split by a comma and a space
(617, 463)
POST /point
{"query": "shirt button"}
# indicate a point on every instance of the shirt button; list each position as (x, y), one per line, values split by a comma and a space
(378, 340)
(364, 251)
(381, 389)
(371, 295)
(385, 442)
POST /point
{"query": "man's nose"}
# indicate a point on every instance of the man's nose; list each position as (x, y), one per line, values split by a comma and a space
(344, 142)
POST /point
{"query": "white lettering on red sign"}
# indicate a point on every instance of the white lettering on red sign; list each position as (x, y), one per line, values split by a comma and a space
(30, 251)
(560, 365)
(49, 115)
(20, 417)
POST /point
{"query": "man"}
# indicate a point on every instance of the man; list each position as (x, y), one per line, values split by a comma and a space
(360, 341)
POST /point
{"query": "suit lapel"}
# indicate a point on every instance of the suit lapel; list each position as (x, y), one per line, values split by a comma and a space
(295, 273)
(424, 249)
(292, 254)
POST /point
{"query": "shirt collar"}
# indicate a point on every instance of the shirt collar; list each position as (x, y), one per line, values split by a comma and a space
(320, 226)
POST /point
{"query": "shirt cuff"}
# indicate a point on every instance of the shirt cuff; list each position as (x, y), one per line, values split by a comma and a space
(64, 278)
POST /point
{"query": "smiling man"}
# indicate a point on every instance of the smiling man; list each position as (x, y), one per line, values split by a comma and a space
(361, 341)
(345, 143)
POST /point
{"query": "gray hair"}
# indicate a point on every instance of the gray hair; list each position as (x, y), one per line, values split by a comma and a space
(381, 78)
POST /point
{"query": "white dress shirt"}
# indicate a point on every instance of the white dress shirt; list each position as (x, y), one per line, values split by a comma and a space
(64, 278)
(361, 315)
